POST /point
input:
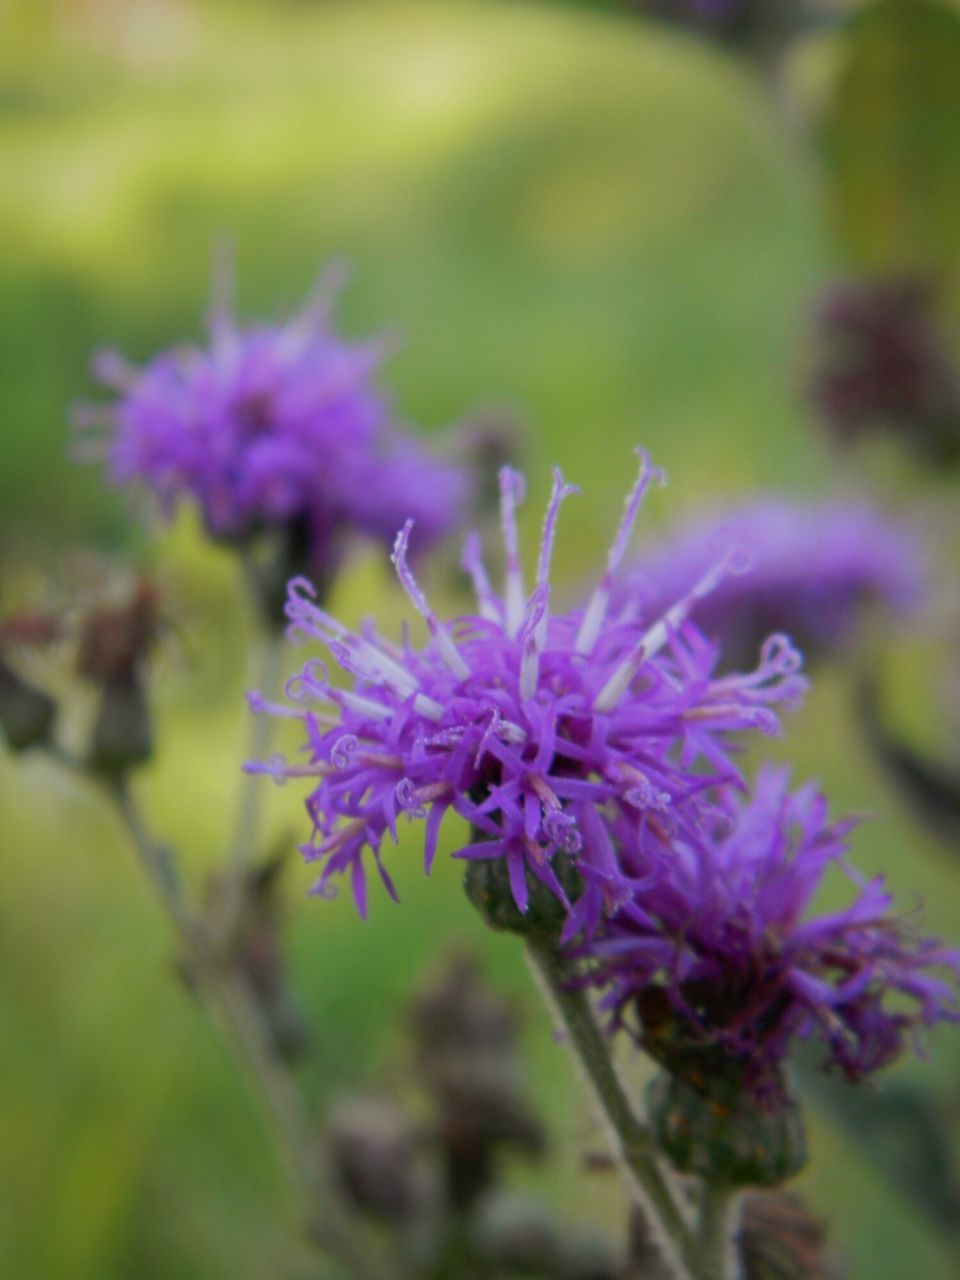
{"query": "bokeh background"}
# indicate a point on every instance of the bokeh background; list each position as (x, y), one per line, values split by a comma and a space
(609, 228)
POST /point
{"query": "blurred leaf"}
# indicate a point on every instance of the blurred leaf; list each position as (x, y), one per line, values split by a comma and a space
(893, 137)
(931, 789)
(904, 1134)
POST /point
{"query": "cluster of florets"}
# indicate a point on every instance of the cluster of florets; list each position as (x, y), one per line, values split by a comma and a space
(593, 733)
(813, 569)
(600, 741)
(719, 958)
(272, 425)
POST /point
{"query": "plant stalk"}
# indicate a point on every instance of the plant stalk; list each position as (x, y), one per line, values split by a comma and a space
(632, 1140)
(716, 1233)
(234, 1012)
(243, 845)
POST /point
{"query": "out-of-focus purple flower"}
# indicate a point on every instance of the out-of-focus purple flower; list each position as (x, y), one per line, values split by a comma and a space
(884, 364)
(591, 734)
(279, 426)
(717, 959)
(813, 567)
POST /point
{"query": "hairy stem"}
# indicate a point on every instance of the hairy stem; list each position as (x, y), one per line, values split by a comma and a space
(233, 1010)
(631, 1138)
(716, 1233)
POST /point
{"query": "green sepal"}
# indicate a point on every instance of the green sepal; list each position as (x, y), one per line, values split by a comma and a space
(727, 1134)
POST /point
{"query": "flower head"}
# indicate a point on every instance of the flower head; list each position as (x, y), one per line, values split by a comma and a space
(575, 735)
(811, 569)
(721, 962)
(275, 427)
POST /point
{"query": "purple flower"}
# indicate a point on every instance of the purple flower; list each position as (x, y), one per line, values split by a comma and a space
(276, 427)
(717, 954)
(811, 568)
(589, 735)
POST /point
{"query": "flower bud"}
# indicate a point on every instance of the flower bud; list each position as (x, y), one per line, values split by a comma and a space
(520, 1237)
(123, 732)
(487, 883)
(780, 1239)
(466, 1039)
(112, 649)
(727, 1134)
(374, 1150)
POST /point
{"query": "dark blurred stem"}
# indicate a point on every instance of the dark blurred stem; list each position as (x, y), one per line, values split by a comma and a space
(157, 861)
(233, 1010)
(631, 1138)
(716, 1233)
(243, 846)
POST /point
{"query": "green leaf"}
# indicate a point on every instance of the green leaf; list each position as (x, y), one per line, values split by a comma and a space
(892, 139)
(903, 1133)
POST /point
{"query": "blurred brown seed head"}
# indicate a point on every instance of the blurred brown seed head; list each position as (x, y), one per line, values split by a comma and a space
(114, 639)
(374, 1145)
(468, 1057)
(30, 629)
(780, 1239)
(884, 365)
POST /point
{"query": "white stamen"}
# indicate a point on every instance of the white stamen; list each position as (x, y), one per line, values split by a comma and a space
(471, 561)
(365, 657)
(656, 637)
(596, 610)
(529, 633)
(428, 707)
(660, 632)
(260, 705)
(369, 664)
(558, 495)
(529, 668)
(278, 769)
(610, 694)
(312, 683)
(448, 650)
(363, 706)
(511, 495)
(511, 732)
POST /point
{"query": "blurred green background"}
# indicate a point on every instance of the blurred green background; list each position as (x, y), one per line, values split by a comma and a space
(604, 225)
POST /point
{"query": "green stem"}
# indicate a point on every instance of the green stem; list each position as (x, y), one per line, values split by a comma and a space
(234, 1012)
(716, 1233)
(247, 823)
(156, 860)
(632, 1139)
